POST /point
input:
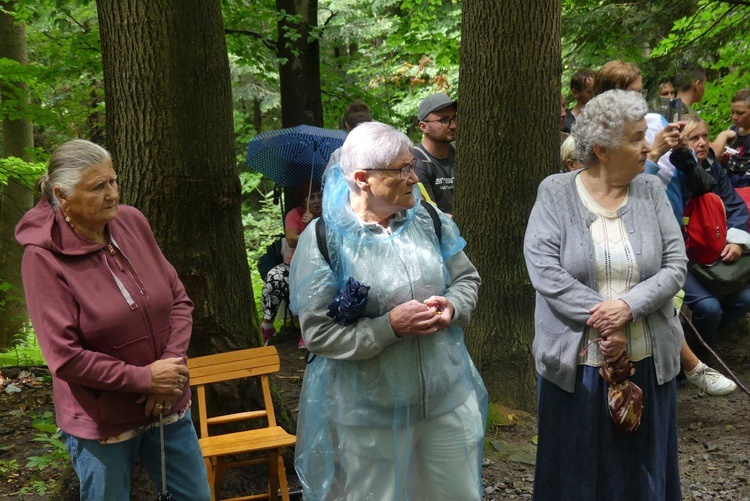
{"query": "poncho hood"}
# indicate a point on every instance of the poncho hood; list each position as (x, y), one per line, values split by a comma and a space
(338, 213)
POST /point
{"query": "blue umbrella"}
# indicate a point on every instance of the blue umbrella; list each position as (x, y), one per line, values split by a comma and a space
(291, 156)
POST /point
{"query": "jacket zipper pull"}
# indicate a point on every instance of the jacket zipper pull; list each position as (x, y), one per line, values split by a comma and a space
(114, 256)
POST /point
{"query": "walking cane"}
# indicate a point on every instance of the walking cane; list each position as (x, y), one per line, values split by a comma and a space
(163, 495)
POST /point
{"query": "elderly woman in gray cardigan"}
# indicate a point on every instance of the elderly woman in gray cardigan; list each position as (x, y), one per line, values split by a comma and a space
(606, 257)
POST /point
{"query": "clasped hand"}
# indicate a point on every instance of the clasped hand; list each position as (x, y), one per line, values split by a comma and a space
(169, 377)
(610, 315)
(420, 319)
(613, 345)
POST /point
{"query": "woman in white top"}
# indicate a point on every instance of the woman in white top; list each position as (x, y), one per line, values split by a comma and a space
(606, 257)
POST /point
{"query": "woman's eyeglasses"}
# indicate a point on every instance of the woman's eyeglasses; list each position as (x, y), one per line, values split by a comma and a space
(403, 172)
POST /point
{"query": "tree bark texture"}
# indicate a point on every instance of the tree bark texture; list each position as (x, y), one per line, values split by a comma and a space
(16, 197)
(169, 128)
(508, 140)
(299, 71)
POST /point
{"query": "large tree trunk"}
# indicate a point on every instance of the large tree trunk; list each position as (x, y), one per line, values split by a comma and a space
(508, 141)
(300, 71)
(169, 127)
(16, 197)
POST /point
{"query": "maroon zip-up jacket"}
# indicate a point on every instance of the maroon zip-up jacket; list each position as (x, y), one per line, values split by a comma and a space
(102, 314)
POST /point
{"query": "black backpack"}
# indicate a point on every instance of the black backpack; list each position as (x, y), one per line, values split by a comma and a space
(320, 230)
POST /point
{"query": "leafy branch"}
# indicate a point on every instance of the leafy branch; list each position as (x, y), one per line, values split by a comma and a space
(270, 44)
(20, 169)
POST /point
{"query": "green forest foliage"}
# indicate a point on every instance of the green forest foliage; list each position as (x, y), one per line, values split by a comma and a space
(386, 53)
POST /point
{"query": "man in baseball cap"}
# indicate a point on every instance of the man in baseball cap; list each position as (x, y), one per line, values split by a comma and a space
(435, 154)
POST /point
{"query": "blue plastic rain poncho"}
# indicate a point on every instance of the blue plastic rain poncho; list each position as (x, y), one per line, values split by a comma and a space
(373, 406)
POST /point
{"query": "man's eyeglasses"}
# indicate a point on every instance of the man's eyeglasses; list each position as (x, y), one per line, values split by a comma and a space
(445, 121)
(403, 172)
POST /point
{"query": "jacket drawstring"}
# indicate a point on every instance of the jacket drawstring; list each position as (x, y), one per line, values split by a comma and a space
(134, 274)
(120, 285)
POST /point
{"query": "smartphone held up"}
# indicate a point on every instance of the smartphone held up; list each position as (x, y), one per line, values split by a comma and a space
(674, 110)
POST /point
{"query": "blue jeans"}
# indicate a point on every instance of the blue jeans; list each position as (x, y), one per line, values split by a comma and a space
(710, 315)
(104, 470)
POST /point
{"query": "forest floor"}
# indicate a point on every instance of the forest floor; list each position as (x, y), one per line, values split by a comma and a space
(714, 435)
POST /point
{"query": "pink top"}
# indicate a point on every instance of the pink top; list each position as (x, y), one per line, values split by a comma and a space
(294, 220)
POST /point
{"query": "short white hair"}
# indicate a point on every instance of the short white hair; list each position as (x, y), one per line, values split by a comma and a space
(603, 120)
(373, 146)
(567, 152)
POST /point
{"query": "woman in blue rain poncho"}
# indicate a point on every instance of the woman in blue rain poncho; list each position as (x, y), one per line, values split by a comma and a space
(392, 406)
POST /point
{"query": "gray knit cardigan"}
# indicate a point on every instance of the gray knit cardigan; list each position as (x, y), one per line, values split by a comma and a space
(560, 260)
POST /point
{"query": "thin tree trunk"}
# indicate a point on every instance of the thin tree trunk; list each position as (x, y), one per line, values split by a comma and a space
(16, 197)
(299, 73)
(508, 141)
(257, 116)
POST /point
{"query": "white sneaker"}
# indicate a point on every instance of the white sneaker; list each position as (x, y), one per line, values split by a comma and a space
(711, 382)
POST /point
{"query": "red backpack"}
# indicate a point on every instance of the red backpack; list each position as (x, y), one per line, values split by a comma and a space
(705, 220)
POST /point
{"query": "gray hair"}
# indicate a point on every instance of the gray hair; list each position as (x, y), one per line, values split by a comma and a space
(372, 145)
(66, 165)
(603, 119)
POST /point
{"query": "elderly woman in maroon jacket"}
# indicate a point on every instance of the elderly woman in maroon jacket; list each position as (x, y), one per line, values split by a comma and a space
(113, 323)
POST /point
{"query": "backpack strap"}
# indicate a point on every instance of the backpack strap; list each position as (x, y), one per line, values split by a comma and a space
(320, 230)
(426, 158)
(320, 236)
(435, 219)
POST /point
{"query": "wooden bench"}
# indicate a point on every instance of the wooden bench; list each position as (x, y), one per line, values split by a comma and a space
(268, 441)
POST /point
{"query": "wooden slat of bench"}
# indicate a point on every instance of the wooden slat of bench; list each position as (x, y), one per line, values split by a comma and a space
(238, 416)
(233, 370)
(248, 498)
(244, 441)
(218, 374)
(267, 362)
(230, 356)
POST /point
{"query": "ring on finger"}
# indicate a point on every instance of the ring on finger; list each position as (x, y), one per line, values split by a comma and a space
(158, 407)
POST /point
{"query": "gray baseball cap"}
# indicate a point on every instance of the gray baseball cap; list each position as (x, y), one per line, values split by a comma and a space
(434, 102)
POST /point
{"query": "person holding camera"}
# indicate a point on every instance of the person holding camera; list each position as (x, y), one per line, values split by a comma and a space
(712, 313)
(738, 157)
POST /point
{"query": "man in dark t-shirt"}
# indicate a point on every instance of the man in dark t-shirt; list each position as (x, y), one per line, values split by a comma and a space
(435, 155)
(581, 87)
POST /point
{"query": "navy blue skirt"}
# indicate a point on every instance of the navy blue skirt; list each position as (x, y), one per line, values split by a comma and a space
(582, 456)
